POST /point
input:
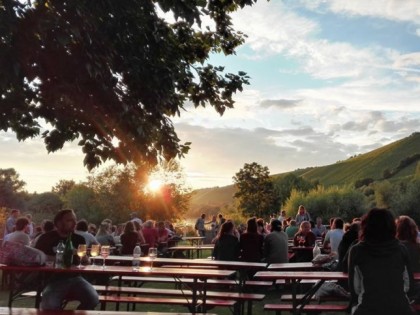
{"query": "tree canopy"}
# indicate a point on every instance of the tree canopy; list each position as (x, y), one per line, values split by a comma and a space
(112, 74)
(255, 190)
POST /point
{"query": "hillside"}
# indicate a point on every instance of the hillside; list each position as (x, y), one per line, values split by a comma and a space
(367, 165)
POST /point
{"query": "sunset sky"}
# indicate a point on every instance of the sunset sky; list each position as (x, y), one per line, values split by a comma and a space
(329, 79)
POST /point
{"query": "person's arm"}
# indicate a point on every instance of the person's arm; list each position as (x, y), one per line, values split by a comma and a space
(355, 278)
(310, 239)
(327, 240)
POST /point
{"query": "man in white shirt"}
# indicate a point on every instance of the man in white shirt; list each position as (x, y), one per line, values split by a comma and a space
(334, 236)
(21, 233)
(11, 221)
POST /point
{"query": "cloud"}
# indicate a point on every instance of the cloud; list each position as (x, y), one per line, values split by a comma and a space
(219, 153)
(281, 103)
(394, 10)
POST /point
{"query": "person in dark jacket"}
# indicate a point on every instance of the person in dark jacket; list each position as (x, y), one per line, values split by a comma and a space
(379, 269)
(227, 244)
(251, 243)
(350, 238)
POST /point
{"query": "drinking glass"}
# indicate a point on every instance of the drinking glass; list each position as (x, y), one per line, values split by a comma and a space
(94, 252)
(81, 252)
(104, 254)
(152, 256)
(301, 241)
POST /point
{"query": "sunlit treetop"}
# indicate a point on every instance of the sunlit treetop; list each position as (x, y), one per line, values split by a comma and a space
(111, 74)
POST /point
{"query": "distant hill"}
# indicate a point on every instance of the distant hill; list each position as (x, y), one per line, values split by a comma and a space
(400, 158)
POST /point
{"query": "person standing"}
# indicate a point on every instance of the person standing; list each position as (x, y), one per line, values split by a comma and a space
(302, 215)
(11, 221)
(200, 225)
(276, 244)
(65, 286)
(379, 269)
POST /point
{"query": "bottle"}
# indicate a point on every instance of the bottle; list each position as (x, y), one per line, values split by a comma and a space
(136, 257)
(59, 255)
(68, 253)
(316, 251)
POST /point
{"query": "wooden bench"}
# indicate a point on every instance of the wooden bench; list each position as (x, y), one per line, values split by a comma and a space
(104, 299)
(210, 282)
(33, 311)
(289, 297)
(310, 308)
(241, 298)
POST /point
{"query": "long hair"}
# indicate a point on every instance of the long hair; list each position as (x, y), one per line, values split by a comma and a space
(251, 226)
(407, 229)
(226, 228)
(378, 226)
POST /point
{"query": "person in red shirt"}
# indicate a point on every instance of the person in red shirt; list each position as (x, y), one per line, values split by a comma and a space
(150, 233)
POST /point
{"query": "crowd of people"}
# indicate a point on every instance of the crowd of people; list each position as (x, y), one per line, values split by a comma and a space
(379, 253)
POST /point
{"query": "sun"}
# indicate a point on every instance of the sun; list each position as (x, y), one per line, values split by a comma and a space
(154, 185)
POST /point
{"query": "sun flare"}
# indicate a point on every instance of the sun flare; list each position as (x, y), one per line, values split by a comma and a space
(154, 185)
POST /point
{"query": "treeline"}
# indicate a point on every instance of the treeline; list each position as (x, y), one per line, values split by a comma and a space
(113, 193)
(348, 201)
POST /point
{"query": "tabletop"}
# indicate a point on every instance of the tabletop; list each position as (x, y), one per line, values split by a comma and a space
(128, 271)
(33, 311)
(236, 265)
(308, 275)
(294, 266)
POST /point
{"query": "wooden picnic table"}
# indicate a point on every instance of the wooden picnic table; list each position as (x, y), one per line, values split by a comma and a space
(302, 266)
(194, 240)
(177, 273)
(190, 250)
(296, 276)
(34, 311)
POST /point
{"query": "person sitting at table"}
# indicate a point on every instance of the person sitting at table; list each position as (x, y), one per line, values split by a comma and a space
(276, 244)
(103, 236)
(350, 238)
(261, 227)
(379, 268)
(291, 229)
(82, 229)
(334, 236)
(20, 235)
(150, 233)
(226, 243)
(129, 239)
(251, 243)
(407, 232)
(319, 228)
(304, 238)
(65, 286)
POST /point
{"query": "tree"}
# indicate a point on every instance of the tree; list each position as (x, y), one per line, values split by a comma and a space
(118, 190)
(111, 75)
(284, 186)
(255, 190)
(44, 205)
(63, 187)
(82, 200)
(11, 189)
(172, 199)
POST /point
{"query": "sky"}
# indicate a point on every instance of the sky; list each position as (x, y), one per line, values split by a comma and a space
(328, 79)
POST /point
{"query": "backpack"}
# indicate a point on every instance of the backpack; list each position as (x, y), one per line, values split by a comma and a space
(196, 225)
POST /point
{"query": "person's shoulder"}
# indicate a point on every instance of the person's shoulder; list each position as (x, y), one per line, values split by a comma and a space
(77, 237)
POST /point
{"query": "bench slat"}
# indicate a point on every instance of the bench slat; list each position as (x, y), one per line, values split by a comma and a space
(308, 308)
(174, 292)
